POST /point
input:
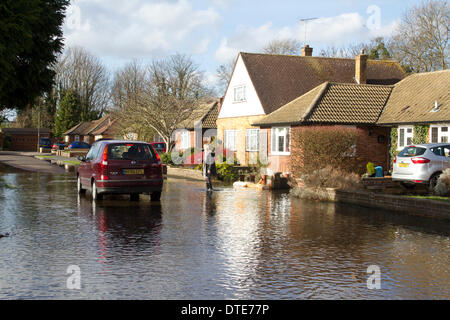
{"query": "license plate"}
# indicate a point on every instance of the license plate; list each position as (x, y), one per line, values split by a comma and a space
(133, 171)
(403, 165)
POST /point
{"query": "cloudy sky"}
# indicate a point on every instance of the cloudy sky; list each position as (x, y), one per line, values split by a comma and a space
(214, 31)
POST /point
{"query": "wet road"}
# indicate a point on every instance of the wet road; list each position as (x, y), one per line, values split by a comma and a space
(231, 245)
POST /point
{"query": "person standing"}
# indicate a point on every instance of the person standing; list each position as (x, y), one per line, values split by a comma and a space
(209, 164)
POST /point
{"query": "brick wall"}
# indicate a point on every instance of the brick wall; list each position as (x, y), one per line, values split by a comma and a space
(241, 124)
(410, 206)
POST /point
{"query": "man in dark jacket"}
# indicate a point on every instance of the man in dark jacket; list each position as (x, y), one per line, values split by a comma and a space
(209, 165)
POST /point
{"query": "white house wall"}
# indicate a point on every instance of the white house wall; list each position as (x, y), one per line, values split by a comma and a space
(252, 106)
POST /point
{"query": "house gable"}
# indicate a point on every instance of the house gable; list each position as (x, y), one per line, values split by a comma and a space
(251, 106)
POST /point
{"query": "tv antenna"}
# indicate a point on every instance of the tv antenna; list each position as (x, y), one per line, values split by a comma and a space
(306, 20)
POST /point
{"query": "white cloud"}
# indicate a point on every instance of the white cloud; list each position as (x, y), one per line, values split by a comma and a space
(339, 30)
(138, 29)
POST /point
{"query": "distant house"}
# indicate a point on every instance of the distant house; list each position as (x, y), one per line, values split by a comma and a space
(263, 83)
(356, 106)
(204, 115)
(420, 99)
(22, 139)
(92, 130)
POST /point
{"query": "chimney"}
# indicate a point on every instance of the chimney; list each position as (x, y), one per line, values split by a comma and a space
(307, 51)
(361, 67)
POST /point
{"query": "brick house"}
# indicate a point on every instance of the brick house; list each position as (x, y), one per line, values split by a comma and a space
(24, 139)
(91, 131)
(262, 83)
(355, 106)
(204, 115)
(421, 99)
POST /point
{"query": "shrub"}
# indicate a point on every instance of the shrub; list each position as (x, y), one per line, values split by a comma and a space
(315, 184)
(443, 185)
(319, 147)
(166, 158)
(226, 172)
(330, 177)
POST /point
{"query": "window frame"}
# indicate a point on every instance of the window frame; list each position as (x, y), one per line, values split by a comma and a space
(406, 136)
(440, 133)
(251, 133)
(244, 93)
(275, 133)
(226, 139)
(185, 140)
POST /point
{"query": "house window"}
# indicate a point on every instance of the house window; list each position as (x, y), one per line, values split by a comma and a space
(281, 140)
(67, 139)
(252, 140)
(239, 94)
(405, 136)
(230, 139)
(185, 140)
(77, 138)
(440, 134)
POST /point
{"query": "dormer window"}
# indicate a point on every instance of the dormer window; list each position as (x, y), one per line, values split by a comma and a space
(240, 94)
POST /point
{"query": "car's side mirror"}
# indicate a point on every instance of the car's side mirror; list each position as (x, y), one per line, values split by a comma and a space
(81, 158)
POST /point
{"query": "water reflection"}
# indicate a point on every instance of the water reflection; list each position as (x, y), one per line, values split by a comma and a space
(228, 244)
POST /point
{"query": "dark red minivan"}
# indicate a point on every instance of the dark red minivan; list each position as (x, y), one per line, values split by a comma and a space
(121, 167)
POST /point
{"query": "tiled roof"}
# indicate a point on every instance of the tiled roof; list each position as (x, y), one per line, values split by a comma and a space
(279, 79)
(333, 103)
(90, 127)
(413, 99)
(206, 113)
(79, 129)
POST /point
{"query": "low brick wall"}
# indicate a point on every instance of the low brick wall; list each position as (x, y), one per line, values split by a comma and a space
(410, 206)
(186, 173)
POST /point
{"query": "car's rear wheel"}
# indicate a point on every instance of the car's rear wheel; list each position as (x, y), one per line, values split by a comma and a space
(95, 194)
(79, 186)
(134, 196)
(155, 196)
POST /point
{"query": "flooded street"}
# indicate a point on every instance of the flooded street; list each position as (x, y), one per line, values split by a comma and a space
(232, 244)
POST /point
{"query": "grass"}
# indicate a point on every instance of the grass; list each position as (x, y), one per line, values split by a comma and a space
(70, 162)
(431, 198)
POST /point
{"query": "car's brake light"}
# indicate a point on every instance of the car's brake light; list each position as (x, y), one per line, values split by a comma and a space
(420, 160)
(395, 160)
(105, 157)
(418, 181)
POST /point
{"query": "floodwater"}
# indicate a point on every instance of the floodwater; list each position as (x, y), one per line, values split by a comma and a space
(228, 245)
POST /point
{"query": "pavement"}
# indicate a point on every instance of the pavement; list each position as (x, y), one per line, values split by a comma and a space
(26, 161)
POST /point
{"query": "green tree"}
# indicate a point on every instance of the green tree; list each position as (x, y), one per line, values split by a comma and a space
(31, 37)
(68, 113)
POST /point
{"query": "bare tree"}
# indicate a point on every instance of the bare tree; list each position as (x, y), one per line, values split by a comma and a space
(283, 46)
(127, 90)
(223, 73)
(421, 40)
(84, 73)
(174, 87)
(376, 49)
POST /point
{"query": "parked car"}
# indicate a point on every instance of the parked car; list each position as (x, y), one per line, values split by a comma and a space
(160, 147)
(79, 145)
(421, 164)
(121, 167)
(45, 143)
(58, 146)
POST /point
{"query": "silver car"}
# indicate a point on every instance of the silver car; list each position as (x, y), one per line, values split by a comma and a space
(422, 163)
